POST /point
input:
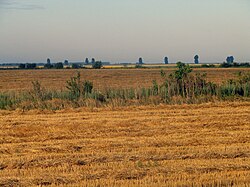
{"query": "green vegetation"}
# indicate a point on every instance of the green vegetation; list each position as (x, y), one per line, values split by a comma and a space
(27, 66)
(97, 65)
(75, 66)
(208, 66)
(179, 87)
(228, 65)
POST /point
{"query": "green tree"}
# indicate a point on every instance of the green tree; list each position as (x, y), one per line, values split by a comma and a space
(182, 71)
(196, 59)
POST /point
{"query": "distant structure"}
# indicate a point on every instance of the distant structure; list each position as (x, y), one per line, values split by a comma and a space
(140, 60)
(86, 61)
(196, 59)
(230, 59)
(92, 61)
(166, 60)
(66, 62)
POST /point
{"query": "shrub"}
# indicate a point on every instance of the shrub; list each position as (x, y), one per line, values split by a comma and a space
(139, 66)
(225, 65)
(48, 66)
(87, 87)
(207, 65)
(78, 88)
(75, 66)
(97, 65)
(155, 88)
(58, 65)
(183, 71)
(21, 66)
(6, 101)
(30, 66)
(74, 86)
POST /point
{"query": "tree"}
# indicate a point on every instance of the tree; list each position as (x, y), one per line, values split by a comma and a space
(140, 60)
(97, 65)
(48, 65)
(66, 62)
(166, 60)
(48, 61)
(86, 61)
(230, 59)
(92, 61)
(196, 59)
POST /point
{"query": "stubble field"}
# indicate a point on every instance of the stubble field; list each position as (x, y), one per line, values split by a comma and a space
(185, 145)
(104, 78)
(165, 145)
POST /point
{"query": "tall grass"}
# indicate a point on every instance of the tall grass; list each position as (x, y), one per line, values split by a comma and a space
(179, 87)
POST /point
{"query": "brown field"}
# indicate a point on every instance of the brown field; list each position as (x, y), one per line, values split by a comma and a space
(105, 78)
(185, 145)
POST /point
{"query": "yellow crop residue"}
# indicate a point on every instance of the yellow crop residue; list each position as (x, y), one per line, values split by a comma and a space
(180, 145)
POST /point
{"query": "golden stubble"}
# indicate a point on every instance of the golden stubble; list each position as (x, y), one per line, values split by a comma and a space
(13, 80)
(178, 145)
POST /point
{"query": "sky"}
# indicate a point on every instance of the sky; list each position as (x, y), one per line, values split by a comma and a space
(124, 30)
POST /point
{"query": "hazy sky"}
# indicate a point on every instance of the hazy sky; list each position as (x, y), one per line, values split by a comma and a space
(124, 30)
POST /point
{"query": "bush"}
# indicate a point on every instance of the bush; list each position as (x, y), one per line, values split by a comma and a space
(74, 86)
(48, 66)
(247, 65)
(225, 65)
(207, 65)
(87, 87)
(75, 66)
(78, 88)
(228, 65)
(21, 66)
(6, 101)
(137, 66)
(30, 66)
(97, 65)
(183, 71)
(155, 88)
(58, 65)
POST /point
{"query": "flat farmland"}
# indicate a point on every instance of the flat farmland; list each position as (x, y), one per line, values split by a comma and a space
(180, 145)
(104, 78)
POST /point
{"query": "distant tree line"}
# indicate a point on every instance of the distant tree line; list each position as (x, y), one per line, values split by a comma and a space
(59, 65)
(27, 66)
(230, 62)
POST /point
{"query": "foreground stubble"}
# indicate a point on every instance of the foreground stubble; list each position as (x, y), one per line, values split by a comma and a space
(183, 145)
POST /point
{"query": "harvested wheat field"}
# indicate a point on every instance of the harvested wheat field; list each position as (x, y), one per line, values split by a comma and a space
(104, 78)
(180, 145)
